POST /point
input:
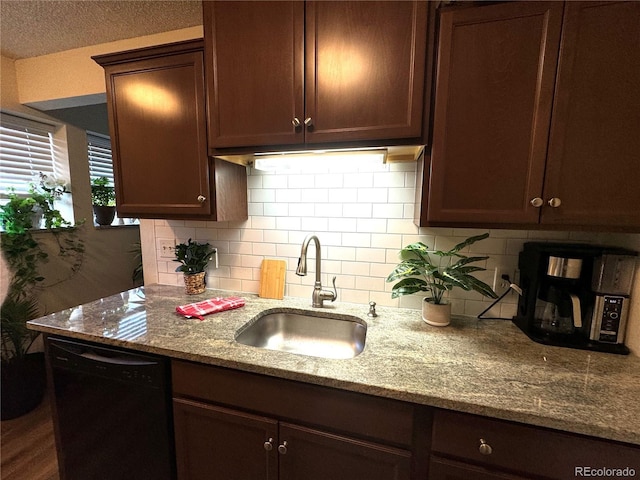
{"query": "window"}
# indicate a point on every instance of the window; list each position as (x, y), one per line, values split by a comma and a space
(99, 152)
(26, 149)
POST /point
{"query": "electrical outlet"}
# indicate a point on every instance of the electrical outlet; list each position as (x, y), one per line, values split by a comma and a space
(167, 248)
(498, 282)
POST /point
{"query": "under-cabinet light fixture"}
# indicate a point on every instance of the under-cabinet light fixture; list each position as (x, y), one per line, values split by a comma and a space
(319, 160)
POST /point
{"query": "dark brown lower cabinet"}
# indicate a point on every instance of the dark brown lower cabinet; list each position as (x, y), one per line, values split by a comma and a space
(219, 443)
(472, 447)
(315, 455)
(234, 425)
(443, 469)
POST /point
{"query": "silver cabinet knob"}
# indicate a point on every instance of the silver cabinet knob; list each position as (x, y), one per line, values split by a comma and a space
(201, 198)
(555, 202)
(282, 449)
(296, 122)
(308, 122)
(268, 445)
(484, 448)
(537, 202)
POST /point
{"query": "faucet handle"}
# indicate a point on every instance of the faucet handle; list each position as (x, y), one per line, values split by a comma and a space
(335, 290)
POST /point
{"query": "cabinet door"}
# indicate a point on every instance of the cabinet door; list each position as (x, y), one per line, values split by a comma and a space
(315, 455)
(254, 62)
(494, 86)
(364, 70)
(158, 133)
(593, 165)
(442, 469)
(215, 443)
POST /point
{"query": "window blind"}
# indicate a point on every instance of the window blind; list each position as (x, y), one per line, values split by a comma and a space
(26, 149)
(99, 152)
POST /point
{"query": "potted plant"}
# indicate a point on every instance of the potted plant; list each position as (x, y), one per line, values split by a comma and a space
(194, 258)
(23, 212)
(22, 372)
(103, 198)
(437, 272)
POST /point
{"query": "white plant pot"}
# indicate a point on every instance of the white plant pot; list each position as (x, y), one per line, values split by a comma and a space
(436, 315)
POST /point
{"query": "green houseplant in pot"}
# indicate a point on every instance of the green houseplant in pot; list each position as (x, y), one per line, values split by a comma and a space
(194, 258)
(103, 198)
(23, 373)
(437, 272)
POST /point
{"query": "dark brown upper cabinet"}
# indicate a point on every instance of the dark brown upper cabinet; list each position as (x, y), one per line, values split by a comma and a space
(593, 162)
(536, 117)
(156, 106)
(294, 73)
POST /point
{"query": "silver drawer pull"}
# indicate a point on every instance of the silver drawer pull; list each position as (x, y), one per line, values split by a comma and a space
(268, 445)
(537, 202)
(485, 448)
(283, 448)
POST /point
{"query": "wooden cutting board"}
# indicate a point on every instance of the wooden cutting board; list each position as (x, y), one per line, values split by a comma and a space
(272, 278)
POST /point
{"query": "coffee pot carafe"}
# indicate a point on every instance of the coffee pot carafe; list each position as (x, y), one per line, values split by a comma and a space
(558, 307)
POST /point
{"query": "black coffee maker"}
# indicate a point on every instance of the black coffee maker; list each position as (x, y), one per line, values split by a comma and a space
(575, 295)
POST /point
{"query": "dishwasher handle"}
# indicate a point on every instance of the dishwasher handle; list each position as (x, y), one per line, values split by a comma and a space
(119, 360)
(88, 353)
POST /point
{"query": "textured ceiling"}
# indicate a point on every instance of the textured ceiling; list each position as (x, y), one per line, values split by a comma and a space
(30, 28)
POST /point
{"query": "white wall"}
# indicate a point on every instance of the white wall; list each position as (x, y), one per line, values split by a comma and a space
(363, 218)
(71, 78)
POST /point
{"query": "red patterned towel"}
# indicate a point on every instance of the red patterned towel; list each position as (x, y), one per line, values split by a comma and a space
(212, 305)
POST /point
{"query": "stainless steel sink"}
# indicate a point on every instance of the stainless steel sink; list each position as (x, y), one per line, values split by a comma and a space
(316, 335)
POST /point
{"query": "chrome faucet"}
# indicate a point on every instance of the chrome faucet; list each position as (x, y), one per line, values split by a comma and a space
(319, 295)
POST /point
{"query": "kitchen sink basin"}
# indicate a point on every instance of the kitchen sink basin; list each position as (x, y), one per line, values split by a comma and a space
(315, 335)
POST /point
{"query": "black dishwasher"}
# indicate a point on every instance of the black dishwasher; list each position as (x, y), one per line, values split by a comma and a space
(112, 412)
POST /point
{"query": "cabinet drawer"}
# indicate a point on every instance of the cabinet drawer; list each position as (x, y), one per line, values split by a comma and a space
(363, 415)
(526, 449)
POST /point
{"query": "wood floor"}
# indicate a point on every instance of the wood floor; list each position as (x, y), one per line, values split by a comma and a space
(28, 446)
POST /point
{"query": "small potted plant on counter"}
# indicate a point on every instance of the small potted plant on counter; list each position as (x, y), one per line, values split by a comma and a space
(436, 272)
(103, 198)
(194, 258)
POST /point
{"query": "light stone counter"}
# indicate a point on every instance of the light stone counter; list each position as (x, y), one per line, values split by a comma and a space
(486, 367)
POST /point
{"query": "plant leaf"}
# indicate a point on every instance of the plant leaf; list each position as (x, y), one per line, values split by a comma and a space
(465, 260)
(409, 286)
(407, 268)
(468, 242)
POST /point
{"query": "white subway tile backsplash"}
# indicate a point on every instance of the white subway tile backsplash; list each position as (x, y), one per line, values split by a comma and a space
(288, 223)
(363, 217)
(356, 268)
(255, 209)
(240, 248)
(389, 210)
(357, 210)
(388, 179)
(373, 195)
(276, 209)
(328, 210)
(401, 195)
(272, 181)
(315, 195)
(386, 240)
(358, 180)
(374, 225)
(356, 240)
(262, 195)
(341, 253)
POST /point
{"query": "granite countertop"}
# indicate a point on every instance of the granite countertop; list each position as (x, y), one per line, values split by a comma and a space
(486, 367)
